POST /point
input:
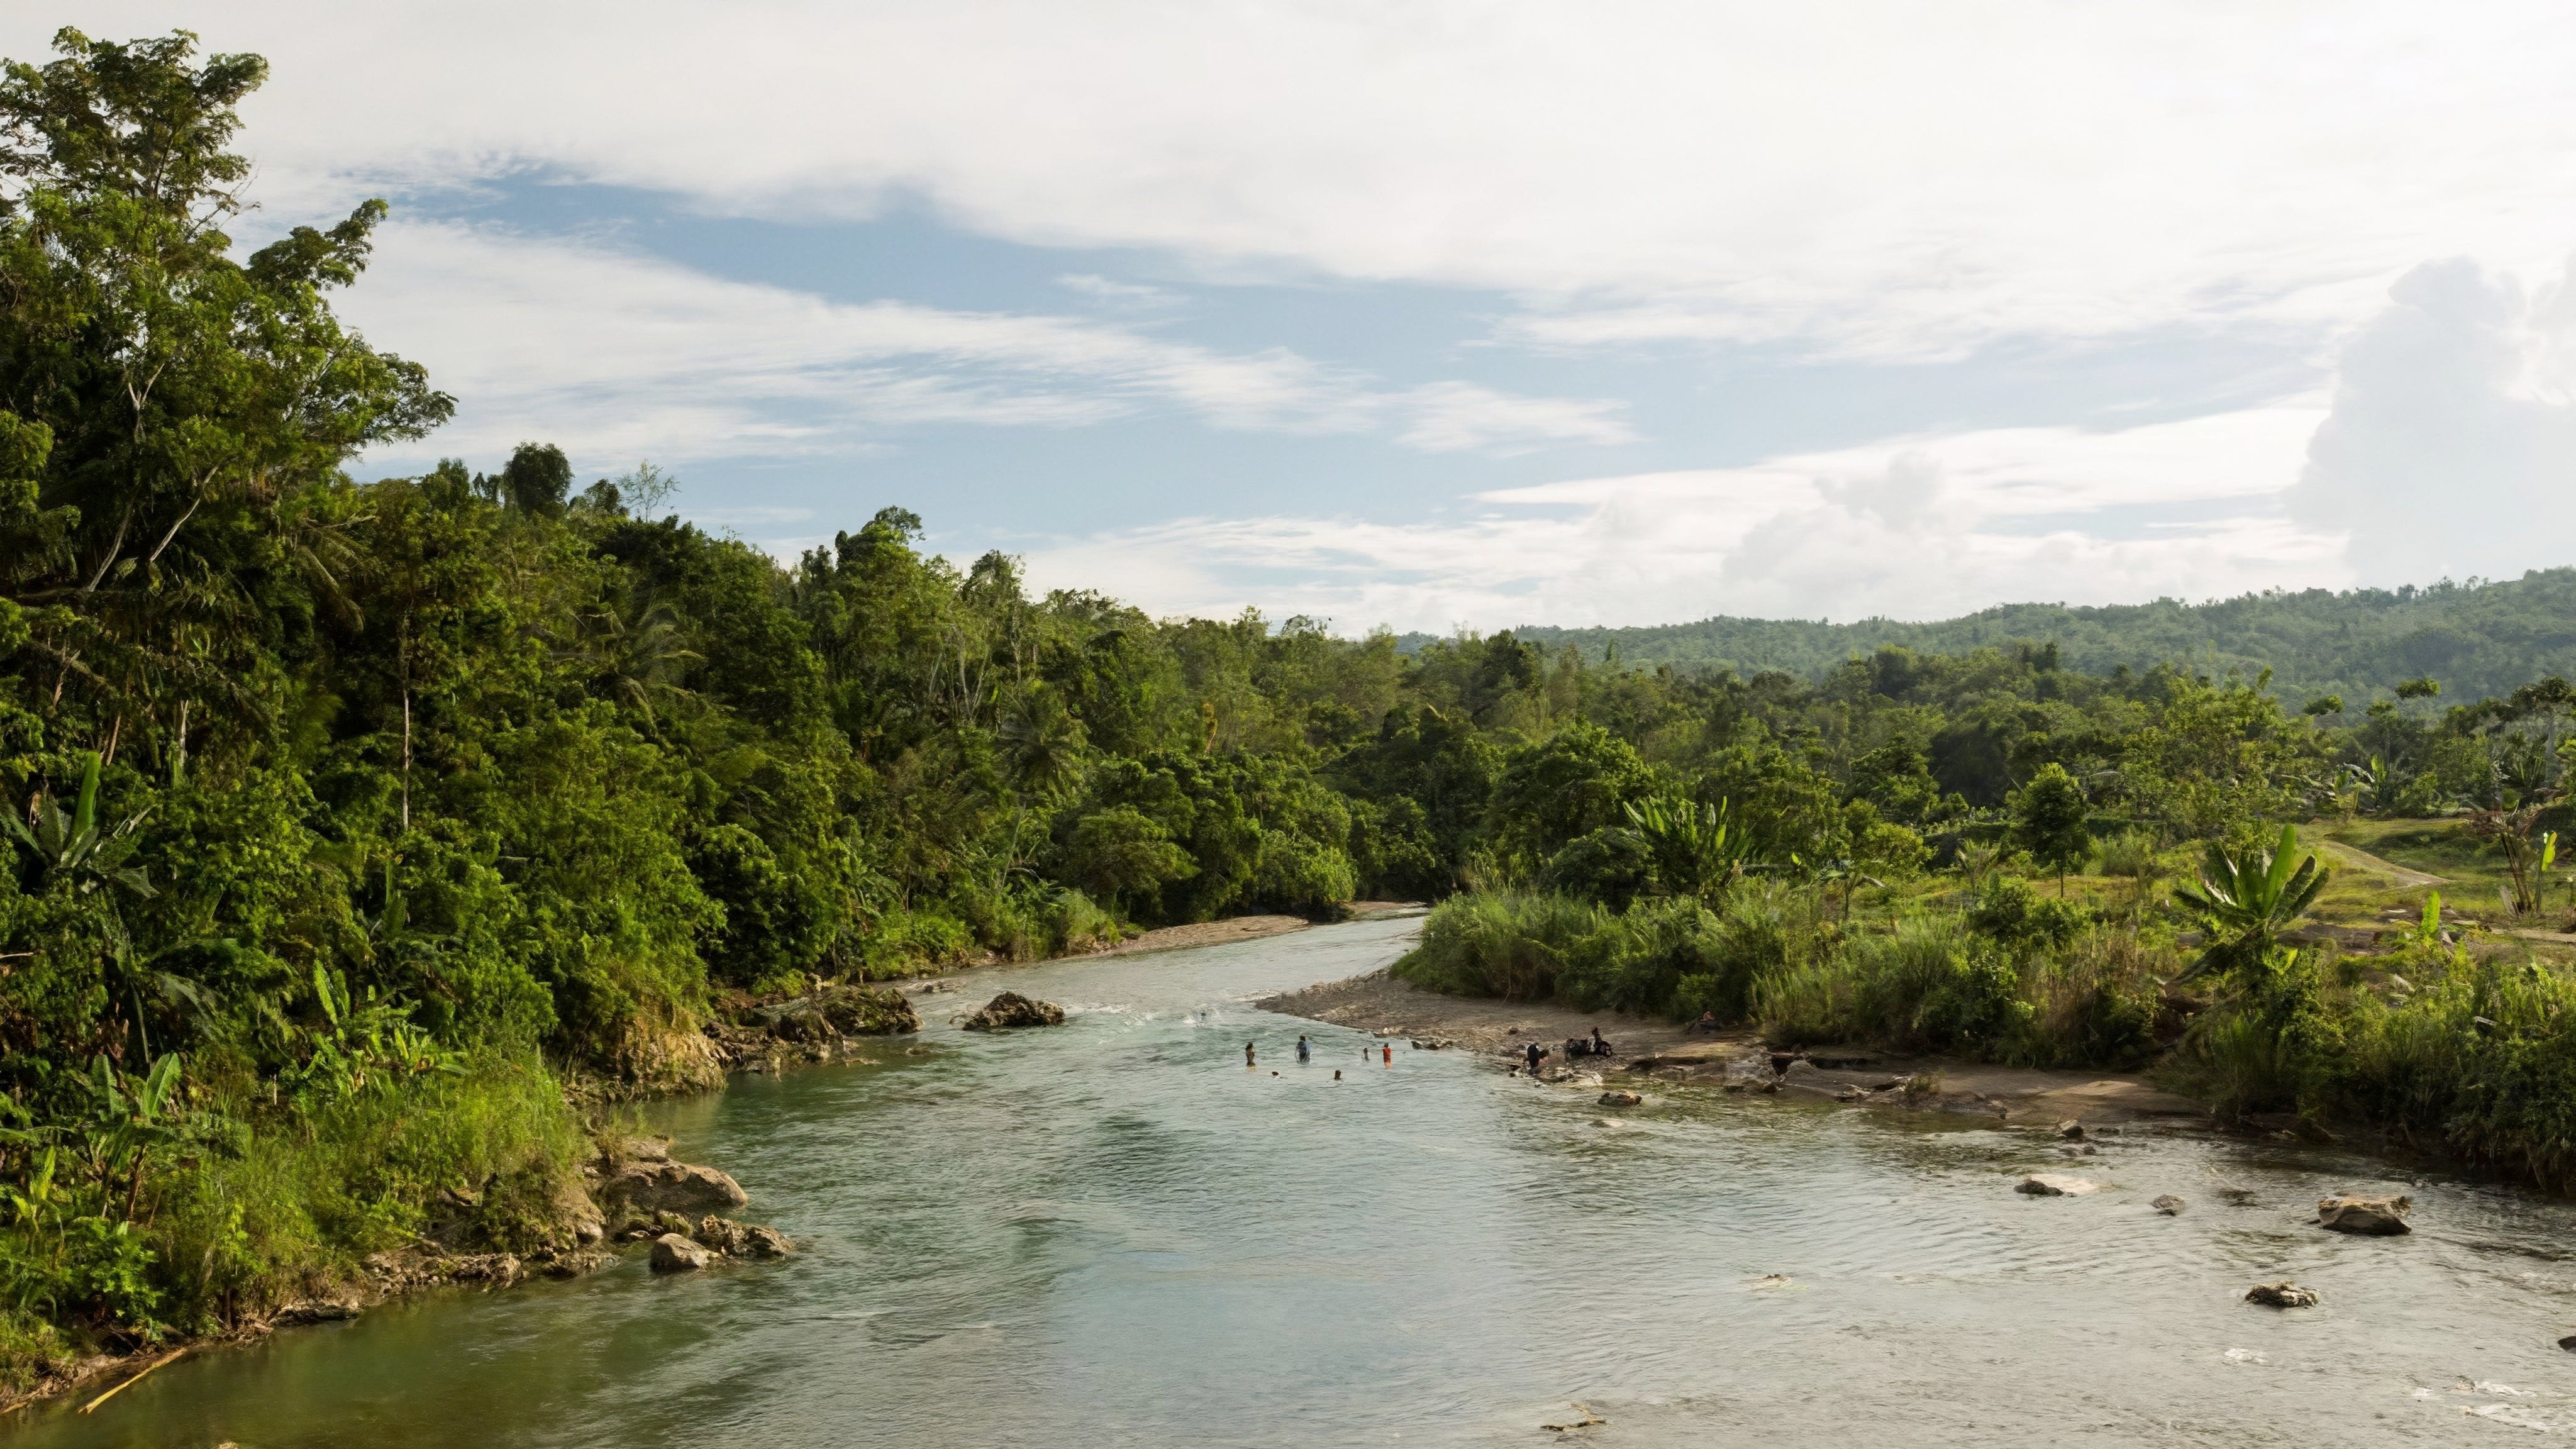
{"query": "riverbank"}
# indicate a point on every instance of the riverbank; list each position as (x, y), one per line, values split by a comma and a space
(565, 1232)
(1651, 1050)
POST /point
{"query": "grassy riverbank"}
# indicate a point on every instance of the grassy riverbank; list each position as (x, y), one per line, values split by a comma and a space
(2439, 1035)
(198, 1214)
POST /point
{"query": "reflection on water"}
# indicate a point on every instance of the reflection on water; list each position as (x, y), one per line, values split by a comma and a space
(1112, 1233)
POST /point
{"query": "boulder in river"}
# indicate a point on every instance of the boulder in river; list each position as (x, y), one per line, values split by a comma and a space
(2054, 1184)
(767, 1243)
(2071, 1131)
(2369, 1216)
(1011, 1009)
(2284, 1294)
(2168, 1206)
(1620, 1099)
(658, 1186)
(675, 1254)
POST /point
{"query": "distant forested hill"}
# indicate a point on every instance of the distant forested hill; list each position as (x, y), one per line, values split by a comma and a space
(2477, 638)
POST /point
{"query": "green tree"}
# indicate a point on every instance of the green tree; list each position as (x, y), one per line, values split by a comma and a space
(1121, 852)
(2048, 821)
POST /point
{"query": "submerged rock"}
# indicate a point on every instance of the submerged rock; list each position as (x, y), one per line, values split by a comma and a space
(1621, 1099)
(2168, 1206)
(2055, 1184)
(1011, 1009)
(2369, 1216)
(2284, 1294)
(675, 1254)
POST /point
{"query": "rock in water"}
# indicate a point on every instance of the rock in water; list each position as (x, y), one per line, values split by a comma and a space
(835, 1011)
(768, 1243)
(666, 1186)
(2071, 1131)
(1620, 1099)
(1011, 1009)
(722, 1235)
(2053, 1184)
(675, 1254)
(2168, 1205)
(2284, 1294)
(2371, 1216)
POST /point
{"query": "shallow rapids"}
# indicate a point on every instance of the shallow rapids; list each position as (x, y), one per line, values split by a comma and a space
(1111, 1233)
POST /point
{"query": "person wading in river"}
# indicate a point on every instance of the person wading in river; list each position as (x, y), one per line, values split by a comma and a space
(1536, 1054)
(1301, 1049)
(1247, 1056)
(1387, 1053)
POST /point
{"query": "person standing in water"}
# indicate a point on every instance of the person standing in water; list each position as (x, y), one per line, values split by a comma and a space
(1388, 1053)
(1247, 1056)
(1301, 1048)
(1533, 1052)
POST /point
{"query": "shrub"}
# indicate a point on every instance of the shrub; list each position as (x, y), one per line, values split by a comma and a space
(2095, 1007)
(1511, 946)
(1926, 987)
(2011, 914)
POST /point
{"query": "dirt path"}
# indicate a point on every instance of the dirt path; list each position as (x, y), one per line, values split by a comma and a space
(1651, 1051)
(2354, 855)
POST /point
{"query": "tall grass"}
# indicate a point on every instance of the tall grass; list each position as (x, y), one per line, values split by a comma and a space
(287, 1203)
(1668, 955)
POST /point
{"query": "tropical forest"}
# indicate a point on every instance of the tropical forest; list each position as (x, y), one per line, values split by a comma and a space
(372, 843)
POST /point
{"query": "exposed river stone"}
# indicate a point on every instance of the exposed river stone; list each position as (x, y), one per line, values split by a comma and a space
(835, 1011)
(1011, 1009)
(1620, 1099)
(2168, 1205)
(2369, 1216)
(675, 1254)
(657, 1185)
(2054, 1184)
(2284, 1294)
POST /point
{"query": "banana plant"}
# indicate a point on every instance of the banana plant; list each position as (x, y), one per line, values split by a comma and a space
(71, 846)
(2243, 905)
(1697, 847)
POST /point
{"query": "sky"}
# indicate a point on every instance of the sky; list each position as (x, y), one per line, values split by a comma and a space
(1433, 315)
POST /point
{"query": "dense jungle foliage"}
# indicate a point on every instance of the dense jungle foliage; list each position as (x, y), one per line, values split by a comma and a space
(349, 822)
(2478, 638)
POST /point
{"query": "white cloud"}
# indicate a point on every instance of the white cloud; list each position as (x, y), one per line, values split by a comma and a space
(1888, 179)
(619, 356)
(2452, 447)
(1914, 527)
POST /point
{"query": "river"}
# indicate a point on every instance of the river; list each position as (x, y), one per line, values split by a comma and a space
(1111, 1233)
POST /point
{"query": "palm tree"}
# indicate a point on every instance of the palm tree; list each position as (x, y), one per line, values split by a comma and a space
(2244, 905)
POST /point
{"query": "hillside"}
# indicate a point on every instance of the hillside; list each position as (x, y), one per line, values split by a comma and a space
(2477, 638)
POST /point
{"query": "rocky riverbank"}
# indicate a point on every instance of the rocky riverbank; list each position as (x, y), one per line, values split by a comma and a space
(631, 1194)
(1649, 1050)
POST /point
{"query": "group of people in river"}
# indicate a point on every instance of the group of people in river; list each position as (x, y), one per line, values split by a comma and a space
(1306, 1053)
(1532, 1055)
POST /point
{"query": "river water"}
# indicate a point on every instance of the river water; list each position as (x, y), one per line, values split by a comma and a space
(1111, 1233)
